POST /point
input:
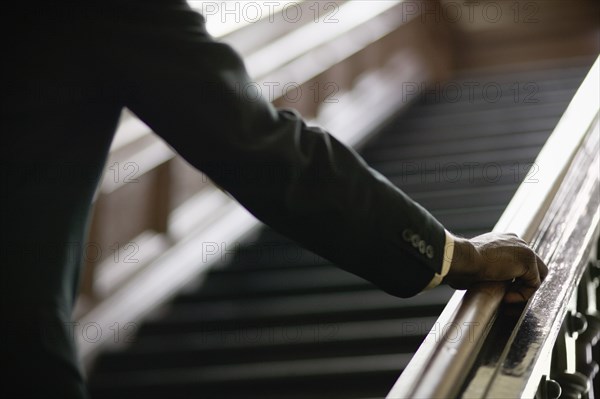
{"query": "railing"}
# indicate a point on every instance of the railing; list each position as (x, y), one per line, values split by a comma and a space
(559, 215)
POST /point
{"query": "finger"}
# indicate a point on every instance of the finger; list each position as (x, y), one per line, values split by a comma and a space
(518, 294)
(523, 290)
(526, 292)
(542, 268)
(514, 297)
(512, 237)
(531, 276)
(521, 241)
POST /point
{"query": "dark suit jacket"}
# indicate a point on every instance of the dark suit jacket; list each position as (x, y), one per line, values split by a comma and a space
(71, 70)
(158, 61)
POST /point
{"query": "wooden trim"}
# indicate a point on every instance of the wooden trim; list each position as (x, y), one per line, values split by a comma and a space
(441, 364)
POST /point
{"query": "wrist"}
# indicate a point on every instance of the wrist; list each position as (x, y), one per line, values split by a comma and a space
(464, 264)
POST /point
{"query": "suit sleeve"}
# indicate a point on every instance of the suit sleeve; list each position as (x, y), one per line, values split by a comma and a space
(195, 93)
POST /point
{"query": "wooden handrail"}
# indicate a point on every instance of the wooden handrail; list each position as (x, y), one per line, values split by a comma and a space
(442, 363)
(566, 239)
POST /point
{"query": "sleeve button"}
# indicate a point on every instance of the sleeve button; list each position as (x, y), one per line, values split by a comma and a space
(429, 252)
(422, 247)
(415, 240)
(407, 234)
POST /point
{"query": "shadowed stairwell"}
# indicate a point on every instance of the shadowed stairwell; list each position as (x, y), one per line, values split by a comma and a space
(276, 321)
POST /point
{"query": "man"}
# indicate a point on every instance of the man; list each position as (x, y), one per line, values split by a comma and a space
(73, 67)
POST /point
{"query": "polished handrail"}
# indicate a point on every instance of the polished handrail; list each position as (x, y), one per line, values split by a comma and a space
(566, 238)
(442, 364)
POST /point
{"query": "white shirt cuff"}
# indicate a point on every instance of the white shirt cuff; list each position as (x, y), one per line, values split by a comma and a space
(447, 261)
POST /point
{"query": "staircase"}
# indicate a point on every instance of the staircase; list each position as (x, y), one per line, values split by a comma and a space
(277, 321)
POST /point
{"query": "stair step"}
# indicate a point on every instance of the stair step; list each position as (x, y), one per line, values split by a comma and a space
(327, 306)
(271, 343)
(256, 378)
(251, 284)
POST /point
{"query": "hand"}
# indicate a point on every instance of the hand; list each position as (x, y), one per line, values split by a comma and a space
(497, 257)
